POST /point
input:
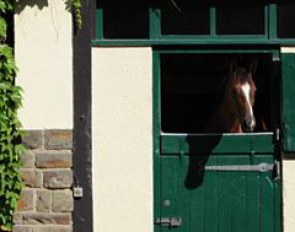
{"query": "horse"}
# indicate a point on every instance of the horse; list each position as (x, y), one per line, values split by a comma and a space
(235, 113)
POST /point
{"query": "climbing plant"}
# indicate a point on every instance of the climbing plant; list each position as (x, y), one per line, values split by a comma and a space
(76, 6)
(10, 126)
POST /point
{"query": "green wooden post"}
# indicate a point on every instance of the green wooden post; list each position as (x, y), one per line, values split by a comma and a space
(288, 74)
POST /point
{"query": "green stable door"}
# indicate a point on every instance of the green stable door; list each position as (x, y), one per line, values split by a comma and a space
(213, 182)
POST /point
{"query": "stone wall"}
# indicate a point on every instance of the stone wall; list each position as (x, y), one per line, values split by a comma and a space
(46, 202)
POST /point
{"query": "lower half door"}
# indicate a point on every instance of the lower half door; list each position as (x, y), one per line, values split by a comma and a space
(217, 183)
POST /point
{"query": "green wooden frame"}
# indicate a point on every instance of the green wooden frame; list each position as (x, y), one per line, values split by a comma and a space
(167, 144)
(275, 52)
(270, 35)
(288, 112)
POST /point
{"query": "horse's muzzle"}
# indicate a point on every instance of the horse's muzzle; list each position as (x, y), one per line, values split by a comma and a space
(248, 124)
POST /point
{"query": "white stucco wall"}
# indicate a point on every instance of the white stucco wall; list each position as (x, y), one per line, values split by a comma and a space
(43, 49)
(288, 182)
(122, 139)
(288, 195)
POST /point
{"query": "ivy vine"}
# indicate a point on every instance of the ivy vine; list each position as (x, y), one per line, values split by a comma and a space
(10, 126)
(75, 6)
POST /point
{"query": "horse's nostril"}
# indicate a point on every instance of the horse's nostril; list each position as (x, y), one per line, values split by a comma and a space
(245, 125)
(248, 126)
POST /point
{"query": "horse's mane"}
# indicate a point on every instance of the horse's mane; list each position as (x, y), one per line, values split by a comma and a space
(242, 75)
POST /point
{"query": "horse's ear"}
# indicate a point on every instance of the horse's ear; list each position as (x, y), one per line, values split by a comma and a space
(232, 67)
(253, 67)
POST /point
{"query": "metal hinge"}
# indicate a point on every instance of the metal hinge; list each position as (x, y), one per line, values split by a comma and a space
(276, 57)
(277, 168)
(170, 222)
(278, 134)
(78, 192)
(262, 167)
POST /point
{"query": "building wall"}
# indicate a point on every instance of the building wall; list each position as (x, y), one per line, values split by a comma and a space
(46, 203)
(288, 182)
(44, 54)
(121, 104)
(122, 139)
(43, 50)
(121, 133)
(288, 195)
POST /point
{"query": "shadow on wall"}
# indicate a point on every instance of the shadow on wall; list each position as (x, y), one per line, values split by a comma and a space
(200, 149)
(20, 5)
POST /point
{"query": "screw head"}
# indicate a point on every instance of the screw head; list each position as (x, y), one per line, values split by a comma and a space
(166, 203)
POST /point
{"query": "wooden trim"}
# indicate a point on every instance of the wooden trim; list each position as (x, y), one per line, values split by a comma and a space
(190, 41)
(10, 28)
(157, 38)
(83, 216)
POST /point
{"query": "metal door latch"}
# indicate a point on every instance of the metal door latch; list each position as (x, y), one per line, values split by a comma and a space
(262, 167)
(78, 192)
(170, 222)
(277, 168)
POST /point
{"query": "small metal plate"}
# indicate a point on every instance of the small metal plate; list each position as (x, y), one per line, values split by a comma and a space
(78, 192)
(262, 167)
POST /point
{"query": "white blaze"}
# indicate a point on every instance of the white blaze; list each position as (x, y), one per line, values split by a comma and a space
(246, 91)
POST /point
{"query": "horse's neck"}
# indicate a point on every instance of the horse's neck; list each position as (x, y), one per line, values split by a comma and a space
(229, 120)
(224, 119)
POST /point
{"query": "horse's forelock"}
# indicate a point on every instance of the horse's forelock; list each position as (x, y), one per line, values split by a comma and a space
(242, 76)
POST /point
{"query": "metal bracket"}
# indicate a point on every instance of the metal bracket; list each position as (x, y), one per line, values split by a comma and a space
(78, 192)
(170, 222)
(277, 168)
(276, 58)
(262, 167)
(278, 134)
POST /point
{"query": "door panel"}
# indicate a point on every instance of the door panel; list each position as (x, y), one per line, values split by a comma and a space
(217, 201)
(186, 188)
(288, 70)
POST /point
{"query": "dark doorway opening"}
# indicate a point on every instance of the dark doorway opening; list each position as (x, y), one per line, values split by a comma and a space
(192, 88)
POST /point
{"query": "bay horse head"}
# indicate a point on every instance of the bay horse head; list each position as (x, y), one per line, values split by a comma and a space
(240, 92)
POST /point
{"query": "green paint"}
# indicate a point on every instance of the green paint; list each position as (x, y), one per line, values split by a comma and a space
(213, 201)
(155, 23)
(156, 138)
(156, 38)
(226, 40)
(99, 24)
(272, 21)
(288, 70)
(212, 21)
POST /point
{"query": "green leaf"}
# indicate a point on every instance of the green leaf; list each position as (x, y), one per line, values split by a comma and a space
(10, 128)
(2, 6)
(3, 27)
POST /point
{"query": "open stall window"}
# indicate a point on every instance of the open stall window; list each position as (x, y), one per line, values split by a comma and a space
(192, 87)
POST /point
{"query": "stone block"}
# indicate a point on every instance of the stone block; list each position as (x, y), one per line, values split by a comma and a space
(44, 200)
(17, 218)
(54, 159)
(63, 201)
(26, 201)
(32, 178)
(52, 228)
(33, 139)
(58, 139)
(28, 159)
(22, 228)
(57, 179)
(47, 218)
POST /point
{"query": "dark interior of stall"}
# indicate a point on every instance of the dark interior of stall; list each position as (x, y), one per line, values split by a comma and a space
(192, 87)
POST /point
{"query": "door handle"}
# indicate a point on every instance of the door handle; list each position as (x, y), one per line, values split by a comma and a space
(170, 222)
